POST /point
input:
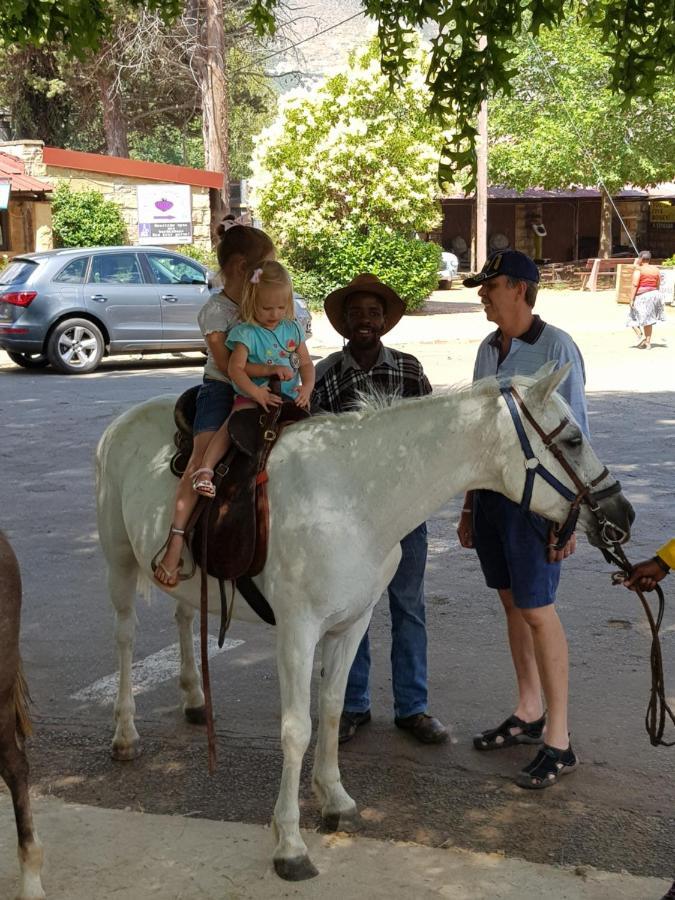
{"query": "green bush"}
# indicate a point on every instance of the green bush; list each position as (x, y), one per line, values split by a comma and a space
(669, 262)
(86, 219)
(407, 265)
(206, 257)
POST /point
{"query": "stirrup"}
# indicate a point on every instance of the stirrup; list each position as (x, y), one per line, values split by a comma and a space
(178, 571)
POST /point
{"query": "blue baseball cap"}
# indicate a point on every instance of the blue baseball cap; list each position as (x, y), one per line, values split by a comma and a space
(506, 262)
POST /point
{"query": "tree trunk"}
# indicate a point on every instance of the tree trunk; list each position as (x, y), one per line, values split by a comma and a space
(605, 248)
(213, 87)
(114, 120)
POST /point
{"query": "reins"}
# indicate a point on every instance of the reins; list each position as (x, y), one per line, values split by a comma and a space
(611, 536)
(657, 708)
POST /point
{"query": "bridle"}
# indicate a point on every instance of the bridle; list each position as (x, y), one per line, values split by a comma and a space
(609, 532)
(611, 536)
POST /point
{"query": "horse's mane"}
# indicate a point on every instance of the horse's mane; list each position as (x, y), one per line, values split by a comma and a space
(372, 402)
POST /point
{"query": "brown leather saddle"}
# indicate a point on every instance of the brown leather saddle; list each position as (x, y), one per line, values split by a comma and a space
(227, 535)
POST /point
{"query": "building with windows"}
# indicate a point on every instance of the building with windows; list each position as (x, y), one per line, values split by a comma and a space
(568, 222)
(161, 204)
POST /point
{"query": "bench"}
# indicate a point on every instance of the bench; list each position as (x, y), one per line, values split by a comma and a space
(599, 268)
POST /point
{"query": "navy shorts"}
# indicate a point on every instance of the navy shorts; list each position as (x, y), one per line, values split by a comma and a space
(512, 549)
(214, 404)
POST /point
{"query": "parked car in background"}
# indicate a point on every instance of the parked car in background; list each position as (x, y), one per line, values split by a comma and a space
(69, 308)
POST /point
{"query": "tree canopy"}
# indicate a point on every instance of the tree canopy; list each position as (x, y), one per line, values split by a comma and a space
(79, 24)
(473, 57)
(346, 175)
(349, 153)
(562, 125)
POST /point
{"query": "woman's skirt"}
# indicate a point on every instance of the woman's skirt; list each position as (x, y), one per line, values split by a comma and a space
(647, 309)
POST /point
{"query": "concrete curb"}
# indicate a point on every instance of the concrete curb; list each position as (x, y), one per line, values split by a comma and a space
(101, 854)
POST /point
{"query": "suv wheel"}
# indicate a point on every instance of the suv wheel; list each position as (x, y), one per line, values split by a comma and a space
(29, 360)
(75, 347)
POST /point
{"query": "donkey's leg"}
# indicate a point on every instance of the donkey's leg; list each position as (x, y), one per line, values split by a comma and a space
(190, 682)
(338, 810)
(122, 576)
(295, 653)
(14, 770)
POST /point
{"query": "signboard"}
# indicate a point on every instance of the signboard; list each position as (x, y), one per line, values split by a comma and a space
(5, 187)
(662, 212)
(164, 213)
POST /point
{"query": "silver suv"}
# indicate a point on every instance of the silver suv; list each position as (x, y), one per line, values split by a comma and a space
(69, 308)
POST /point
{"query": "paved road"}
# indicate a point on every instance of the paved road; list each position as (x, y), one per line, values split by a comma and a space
(616, 813)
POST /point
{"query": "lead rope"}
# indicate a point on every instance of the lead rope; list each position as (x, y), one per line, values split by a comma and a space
(657, 708)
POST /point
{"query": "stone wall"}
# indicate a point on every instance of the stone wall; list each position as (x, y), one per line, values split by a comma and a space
(30, 153)
(122, 191)
(118, 188)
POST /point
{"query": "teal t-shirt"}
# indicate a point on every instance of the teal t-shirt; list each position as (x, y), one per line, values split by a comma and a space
(272, 348)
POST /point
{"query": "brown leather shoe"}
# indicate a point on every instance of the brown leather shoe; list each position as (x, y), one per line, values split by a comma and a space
(424, 727)
(349, 722)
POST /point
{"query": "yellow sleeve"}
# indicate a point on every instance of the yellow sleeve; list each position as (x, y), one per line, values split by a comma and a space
(667, 553)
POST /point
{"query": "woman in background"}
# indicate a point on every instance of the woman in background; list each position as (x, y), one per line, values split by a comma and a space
(646, 302)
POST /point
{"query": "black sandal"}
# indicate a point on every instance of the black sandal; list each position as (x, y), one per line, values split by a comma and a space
(547, 767)
(501, 736)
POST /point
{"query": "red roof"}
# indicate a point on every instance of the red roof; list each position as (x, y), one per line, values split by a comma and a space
(13, 168)
(131, 168)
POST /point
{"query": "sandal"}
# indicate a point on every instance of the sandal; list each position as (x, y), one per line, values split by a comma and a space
(547, 767)
(502, 736)
(173, 575)
(203, 486)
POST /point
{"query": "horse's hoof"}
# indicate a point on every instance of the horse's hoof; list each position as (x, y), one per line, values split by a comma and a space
(349, 821)
(195, 715)
(300, 868)
(126, 752)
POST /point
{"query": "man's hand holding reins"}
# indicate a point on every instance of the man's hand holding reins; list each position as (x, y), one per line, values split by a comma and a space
(558, 555)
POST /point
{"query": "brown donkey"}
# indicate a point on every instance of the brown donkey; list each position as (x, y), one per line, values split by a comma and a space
(15, 724)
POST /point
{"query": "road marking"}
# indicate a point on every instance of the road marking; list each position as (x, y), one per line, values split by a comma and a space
(147, 673)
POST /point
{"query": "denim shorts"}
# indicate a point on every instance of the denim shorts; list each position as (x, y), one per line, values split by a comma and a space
(214, 404)
(512, 549)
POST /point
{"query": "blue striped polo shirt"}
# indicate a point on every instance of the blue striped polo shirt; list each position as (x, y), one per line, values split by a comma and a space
(540, 343)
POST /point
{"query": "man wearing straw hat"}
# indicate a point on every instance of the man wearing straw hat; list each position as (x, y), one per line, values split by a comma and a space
(362, 312)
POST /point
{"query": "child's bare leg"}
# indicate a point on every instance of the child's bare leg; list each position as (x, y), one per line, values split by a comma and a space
(217, 448)
(167, 570)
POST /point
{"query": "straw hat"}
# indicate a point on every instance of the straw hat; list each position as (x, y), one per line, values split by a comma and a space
(366, 283)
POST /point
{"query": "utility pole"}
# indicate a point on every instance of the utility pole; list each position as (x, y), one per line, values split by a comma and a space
(480, 211)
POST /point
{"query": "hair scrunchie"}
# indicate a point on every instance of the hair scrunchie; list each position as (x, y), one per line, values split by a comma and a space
(255, 278)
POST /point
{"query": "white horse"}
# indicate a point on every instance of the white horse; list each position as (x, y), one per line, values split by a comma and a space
(343, 491)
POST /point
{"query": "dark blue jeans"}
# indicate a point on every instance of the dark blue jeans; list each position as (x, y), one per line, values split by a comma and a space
(408, 636)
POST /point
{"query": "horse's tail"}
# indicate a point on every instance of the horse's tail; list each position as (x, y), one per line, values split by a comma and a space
(21, 699)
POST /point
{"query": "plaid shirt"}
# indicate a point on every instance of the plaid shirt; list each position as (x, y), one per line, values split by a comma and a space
(340, 379)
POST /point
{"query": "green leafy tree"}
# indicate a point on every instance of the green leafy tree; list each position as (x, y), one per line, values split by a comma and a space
(80, 25)
(346, 171)
(348, 154)
(86, 219)
(562, 126)
(472, 54)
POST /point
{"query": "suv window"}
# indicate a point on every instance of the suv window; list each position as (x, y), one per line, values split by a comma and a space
(115, 268)
(169, 269)
(17, 272)
(73, 273)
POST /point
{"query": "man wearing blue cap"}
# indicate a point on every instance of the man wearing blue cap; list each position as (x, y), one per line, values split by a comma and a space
(523, 568)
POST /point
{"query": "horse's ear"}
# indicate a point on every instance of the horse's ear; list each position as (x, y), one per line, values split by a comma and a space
(541, 390)
(545, 370)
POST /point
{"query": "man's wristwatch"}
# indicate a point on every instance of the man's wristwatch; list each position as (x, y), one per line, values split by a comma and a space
(662, 563)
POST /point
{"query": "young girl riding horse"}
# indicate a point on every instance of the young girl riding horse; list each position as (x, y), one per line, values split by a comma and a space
(240, 247)
(267, 337)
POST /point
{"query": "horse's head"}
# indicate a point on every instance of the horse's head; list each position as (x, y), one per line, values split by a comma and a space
(556, 465)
